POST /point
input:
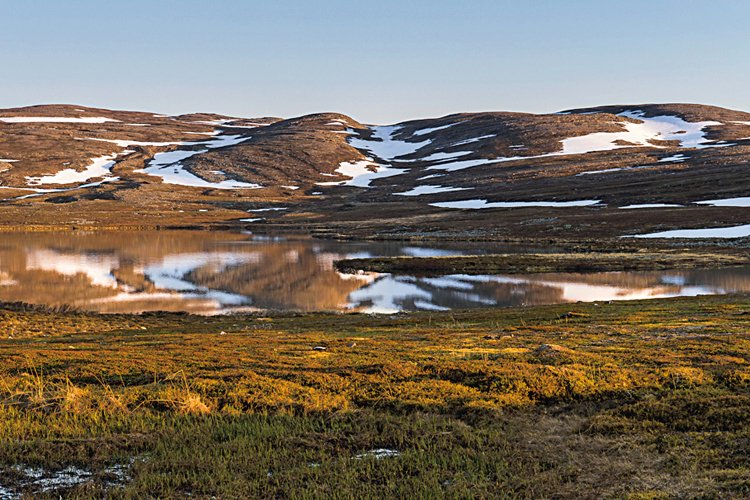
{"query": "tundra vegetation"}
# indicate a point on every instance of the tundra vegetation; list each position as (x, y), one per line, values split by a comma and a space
(647, 399)
(545, 263)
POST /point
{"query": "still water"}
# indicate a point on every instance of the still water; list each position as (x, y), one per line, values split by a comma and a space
(209, 272)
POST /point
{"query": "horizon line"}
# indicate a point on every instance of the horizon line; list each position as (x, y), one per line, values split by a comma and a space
(433, 117)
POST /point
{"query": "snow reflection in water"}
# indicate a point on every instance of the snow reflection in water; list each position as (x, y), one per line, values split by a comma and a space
(210, 273)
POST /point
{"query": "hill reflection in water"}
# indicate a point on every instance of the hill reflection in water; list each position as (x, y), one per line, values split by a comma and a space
(211, 272)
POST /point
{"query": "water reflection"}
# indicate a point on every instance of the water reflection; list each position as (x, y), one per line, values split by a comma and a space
(209, 272)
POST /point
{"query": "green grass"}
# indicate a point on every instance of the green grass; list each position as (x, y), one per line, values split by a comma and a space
(645, 399)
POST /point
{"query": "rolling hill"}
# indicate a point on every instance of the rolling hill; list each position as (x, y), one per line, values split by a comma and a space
(595, 172)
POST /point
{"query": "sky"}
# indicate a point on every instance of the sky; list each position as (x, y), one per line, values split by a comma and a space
(379, 61)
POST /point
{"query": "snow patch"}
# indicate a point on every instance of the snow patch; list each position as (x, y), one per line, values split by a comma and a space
(463, 164)
(169, 166)
(212, 122)
(661, 128)
(124, 143)
(649, 205)
(475, 139)
(605, 171)
(426, 131)
(727, 202)
(428, 189)
(386, 147)
(713, 232)
(53, 119)
(362, 173)
(480, 204)
(99, 167)
(618, 169)
(270, 209)
(678, 158)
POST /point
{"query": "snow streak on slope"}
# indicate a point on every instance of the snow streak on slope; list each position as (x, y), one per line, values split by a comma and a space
(40, 192)
(473, 139)
(452, 166)
(169, 165)
(426, 131)
(430, 189)
(52, 119)
(384, 148)
(124, 143)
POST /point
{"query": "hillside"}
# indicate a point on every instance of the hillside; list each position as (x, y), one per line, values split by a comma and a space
(606, 171)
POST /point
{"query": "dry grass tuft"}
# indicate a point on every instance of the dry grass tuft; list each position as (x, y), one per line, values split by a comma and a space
(192, 404)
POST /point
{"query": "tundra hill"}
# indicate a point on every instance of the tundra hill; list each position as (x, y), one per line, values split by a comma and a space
(595, 172)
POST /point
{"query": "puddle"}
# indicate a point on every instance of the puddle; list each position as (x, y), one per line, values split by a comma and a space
(378, 454)
(36, 480)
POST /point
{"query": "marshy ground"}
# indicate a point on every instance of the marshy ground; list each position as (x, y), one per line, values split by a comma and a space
(544, 263)
(647, 399)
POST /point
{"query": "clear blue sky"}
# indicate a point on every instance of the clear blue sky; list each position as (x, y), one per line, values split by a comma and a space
(377, 60)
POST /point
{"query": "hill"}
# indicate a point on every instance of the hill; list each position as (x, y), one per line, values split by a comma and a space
(606, 171)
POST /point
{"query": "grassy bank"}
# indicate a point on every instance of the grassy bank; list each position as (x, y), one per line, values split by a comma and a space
(648, 399)
(542, 263)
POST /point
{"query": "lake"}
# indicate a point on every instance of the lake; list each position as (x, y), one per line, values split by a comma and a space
(218, 272)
